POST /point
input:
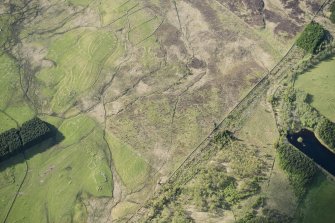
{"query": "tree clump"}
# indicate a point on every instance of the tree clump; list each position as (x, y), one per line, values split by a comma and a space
(326, 131)
(9, 142)
(33, 130)
(15, 140)
(301, 170)
(312, 37)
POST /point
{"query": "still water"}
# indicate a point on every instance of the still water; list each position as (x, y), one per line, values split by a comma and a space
(313, 149)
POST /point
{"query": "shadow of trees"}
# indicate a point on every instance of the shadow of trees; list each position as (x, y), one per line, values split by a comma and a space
(28, 151)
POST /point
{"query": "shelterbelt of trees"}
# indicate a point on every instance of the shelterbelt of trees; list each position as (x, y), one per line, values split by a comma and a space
(31, 132)
(326, 130)
(312, 37)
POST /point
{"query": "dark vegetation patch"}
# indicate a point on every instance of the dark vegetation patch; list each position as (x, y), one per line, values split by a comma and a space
(14, 141)
(295, 11)
(6, 22)
(268, 215)
(254, 9)
(170, 35)
(313, 5)
(272, 16)
(286, 26)
(214, 22)
(32, 131)
(290, 28)
(312, 37)
(14, 13)
(174, 194)
(326, 130)
(197, 64)
(10, 142)
(332, 10)
(214, 191)
(301, 170)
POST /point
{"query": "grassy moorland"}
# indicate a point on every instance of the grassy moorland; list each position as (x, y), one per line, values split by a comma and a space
(133, 86)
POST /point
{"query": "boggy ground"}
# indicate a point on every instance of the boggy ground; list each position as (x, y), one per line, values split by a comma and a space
(135, 85)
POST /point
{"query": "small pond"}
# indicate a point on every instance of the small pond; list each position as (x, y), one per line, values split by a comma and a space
(313, 149)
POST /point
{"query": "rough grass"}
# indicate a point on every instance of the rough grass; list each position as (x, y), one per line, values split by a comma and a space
(132, 169)
(123, 209)
(260, 129)
(80, 2)
(319, 82)
(261, 132)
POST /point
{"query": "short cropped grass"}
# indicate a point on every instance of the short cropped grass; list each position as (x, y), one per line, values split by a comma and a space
(76, 128)
(319, 82)
(12, 103)
(58, 176)
(10, 179)
(6, 123)
(80, 55)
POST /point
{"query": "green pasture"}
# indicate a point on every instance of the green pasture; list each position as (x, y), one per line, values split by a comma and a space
(80, 56)
(319, 202)
(6, 123)
(116, 11)
(11, 175)
(9, 80)
(76, 128)
(132, 168)
(59, 175)
(12, 105)
(320, 83)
